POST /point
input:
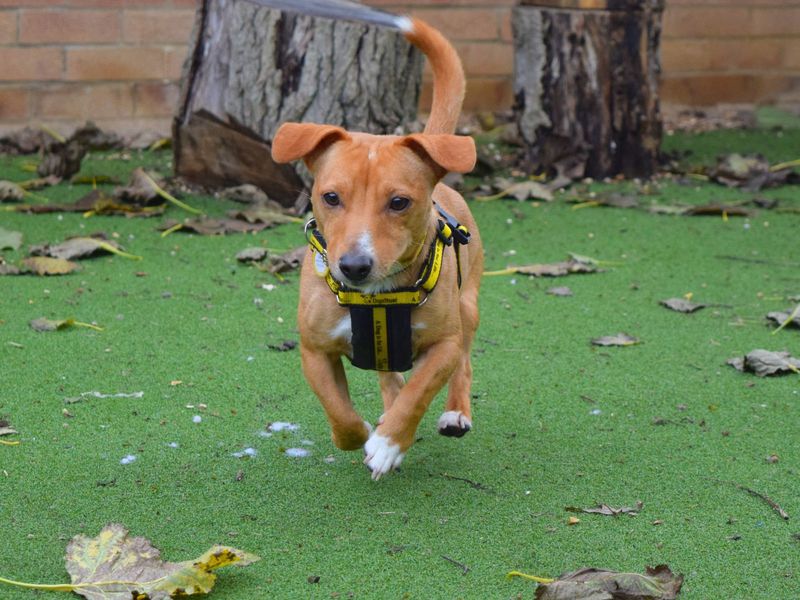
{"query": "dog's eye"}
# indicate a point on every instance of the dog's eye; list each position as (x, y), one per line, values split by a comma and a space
(331, 198)
(399, 203)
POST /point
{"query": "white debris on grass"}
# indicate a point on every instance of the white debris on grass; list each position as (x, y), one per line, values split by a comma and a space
(283, 426)
(121, 395)
(265, 434)
(197, 419)
(174, 445)
(596, 411)
(245, 452)
(126, 460)
(297, 452)
(330, 459)
(307, 442)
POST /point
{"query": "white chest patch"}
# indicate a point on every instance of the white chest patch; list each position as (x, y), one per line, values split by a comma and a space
(343, 330)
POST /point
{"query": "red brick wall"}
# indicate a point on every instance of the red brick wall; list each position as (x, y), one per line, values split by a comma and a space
(118, 61)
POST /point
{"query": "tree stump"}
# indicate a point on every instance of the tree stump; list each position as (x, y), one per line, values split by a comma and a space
(253, 68)
(586, 85)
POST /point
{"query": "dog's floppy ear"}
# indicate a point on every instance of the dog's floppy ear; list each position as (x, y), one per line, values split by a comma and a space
(302, 140)
(452, 153)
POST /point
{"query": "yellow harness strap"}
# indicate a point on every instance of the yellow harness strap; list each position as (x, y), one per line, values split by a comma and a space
(381, 322)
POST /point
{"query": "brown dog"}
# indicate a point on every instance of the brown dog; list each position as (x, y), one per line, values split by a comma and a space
(379, 247)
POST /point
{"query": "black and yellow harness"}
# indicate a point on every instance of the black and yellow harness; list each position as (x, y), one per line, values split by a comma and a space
(381, 322)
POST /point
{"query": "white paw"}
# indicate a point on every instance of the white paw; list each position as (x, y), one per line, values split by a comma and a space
(454, 423)
(381, 455)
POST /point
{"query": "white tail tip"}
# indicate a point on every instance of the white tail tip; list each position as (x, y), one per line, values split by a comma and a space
(404, 24)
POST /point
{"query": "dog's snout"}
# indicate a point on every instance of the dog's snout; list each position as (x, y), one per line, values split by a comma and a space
(355, 266)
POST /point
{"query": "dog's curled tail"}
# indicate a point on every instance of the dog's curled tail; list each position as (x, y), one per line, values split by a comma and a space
(448, 74)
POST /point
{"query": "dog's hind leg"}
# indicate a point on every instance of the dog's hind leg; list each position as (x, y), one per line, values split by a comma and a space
(456, 420)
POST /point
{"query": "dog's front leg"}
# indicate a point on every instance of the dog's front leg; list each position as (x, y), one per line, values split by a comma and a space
(387, 446)
(326, 376)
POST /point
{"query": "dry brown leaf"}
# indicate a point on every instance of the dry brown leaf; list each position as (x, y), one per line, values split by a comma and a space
(716, 209)
(751, 173)
(81, 247)
(208, 226)
(268, 212)
(562, 291)
(6, 428)
(790, 317)
(558, 269)
(255, 254)
(681, 305)
(112, 566)
(43, 324)
(139, 190)
(658, 583)
(765, 362)
(44, 265)
(62, 159)
(288, 261)
(610, 511)
(246, 193)
(11, 192)
(620, 339)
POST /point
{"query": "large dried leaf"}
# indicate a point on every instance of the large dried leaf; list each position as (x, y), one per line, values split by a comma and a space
(10, 240)
(6, 428)
(716, 209)
(246, 193)
(620, 339)
(658, 583)
(11, 192)
(40, 182)
(789, 318)
(143, 190)
(609, 511)
(44, 265)
(207, 226)
(43, 324)
(112, 566)
(765, 362)
(255, 254)
(289, 261)
(558, 269)
(521, 190)
(613, 200)
(94, 138)
(268, 212)
(77, 247)
(681, 305)
(23, 141)
(751, 173)
(62, 159)
(97, 202)
(140, 190)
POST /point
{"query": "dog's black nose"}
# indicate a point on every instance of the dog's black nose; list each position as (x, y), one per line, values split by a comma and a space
(355, 266)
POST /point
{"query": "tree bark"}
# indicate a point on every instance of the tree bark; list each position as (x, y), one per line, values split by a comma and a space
(586, 85)
(253, 68)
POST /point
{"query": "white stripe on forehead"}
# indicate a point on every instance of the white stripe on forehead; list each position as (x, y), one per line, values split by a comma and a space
(365, 244)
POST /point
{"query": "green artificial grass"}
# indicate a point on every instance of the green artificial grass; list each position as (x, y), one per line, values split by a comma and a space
(558, 422)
